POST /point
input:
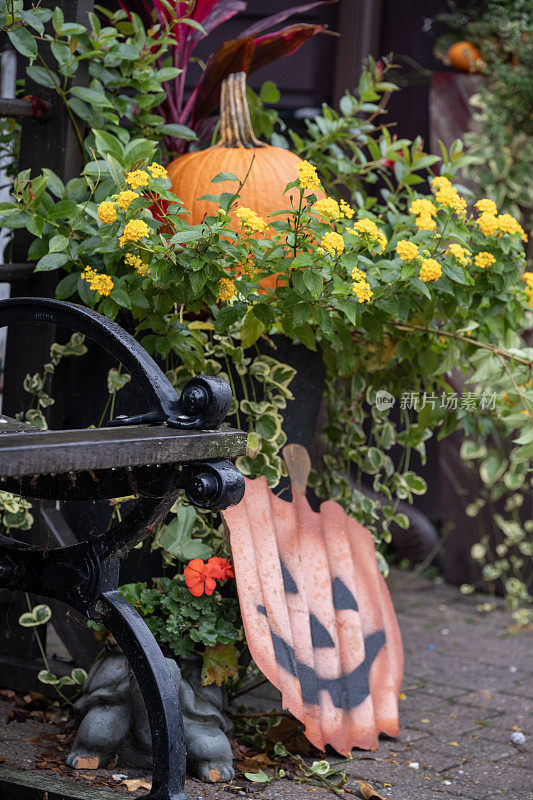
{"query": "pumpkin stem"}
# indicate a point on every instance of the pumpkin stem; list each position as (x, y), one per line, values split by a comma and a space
(235, 123)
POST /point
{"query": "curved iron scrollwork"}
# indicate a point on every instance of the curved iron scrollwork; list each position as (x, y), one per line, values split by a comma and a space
(204, 401)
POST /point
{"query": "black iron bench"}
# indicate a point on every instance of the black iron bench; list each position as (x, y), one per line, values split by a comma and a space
(175, 445)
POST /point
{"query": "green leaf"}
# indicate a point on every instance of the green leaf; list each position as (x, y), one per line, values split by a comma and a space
(58, 19)
(313, 282)
(79, 676)
(116, 380)
(492, 469)
(39, 615)
(91, 96)
(45, 676)
(50, 262)
(471, 450)
(42, 76)
(269, 92)
(257, 777)
(224, 176)
(23, 41)
(67, 286)
(58, 243)
(251, 330)
(178, 131)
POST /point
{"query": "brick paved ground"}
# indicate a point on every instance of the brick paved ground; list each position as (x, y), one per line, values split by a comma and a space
(467, 688)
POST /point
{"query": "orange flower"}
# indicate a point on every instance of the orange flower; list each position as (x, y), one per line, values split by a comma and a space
(226, 570)
(201, 577)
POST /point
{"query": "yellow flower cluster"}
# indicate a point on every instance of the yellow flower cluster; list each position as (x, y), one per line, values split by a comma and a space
(332, 243)
(358, 275)
(508, 224)
(487, 223)
(527, 277)
(103, 284)
(460, 253)
(134, 230)
(137, 262)
(484, 259)
(157, 171)
(447, 195)
(328, 207)
(368, 230)
(430, 270)
(407, 251)
(424, 211)
(124, 199)
(251, 220)
(362, 291)
(346, 209)
(247, 267)
(107, 212)
(486, 206)
(307, 175)
(425, 223)
(361, 287)
(137, 178)
(423, 208)
(226, 289)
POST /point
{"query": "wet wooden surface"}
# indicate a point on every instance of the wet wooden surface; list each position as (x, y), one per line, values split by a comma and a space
(46, 452)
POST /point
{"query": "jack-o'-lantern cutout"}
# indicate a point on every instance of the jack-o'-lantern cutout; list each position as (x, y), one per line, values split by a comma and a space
(317, 613)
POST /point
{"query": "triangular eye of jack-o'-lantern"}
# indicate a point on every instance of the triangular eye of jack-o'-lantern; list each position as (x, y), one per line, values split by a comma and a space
(318, 616)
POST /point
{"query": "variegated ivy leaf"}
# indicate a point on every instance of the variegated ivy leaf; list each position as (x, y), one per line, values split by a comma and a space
(39, 615)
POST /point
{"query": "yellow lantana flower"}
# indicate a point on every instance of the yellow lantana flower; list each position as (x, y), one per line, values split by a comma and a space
(107, 212)
(407, 251)
(487, 223)
(484, 259)
(226, 289)
(332, 243)
(459, 252)
(125, 198)
(137, 178)
(251, 220)
(430, 270)
(362, 291)
(486, 206)
(134, 230)
(423, 207)
(307, 176)
(103, 284)
(157, 171)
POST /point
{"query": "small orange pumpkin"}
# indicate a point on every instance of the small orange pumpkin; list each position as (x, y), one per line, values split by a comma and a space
(465, 57)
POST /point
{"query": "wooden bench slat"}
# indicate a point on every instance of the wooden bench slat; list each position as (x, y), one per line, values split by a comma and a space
(48, 452)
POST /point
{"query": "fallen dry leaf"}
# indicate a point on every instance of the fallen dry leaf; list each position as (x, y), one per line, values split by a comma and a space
(254, 763)
(133, 784)
(368, 792)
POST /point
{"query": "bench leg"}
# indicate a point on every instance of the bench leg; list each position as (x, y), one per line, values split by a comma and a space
(159, 692)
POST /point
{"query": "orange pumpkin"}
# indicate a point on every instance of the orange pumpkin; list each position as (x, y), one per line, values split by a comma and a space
(267, 169)
(465, 57)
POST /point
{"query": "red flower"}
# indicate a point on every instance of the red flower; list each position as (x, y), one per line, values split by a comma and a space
(201, 577)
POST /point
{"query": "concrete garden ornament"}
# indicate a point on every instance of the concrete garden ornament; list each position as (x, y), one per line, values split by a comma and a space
(113, 721)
